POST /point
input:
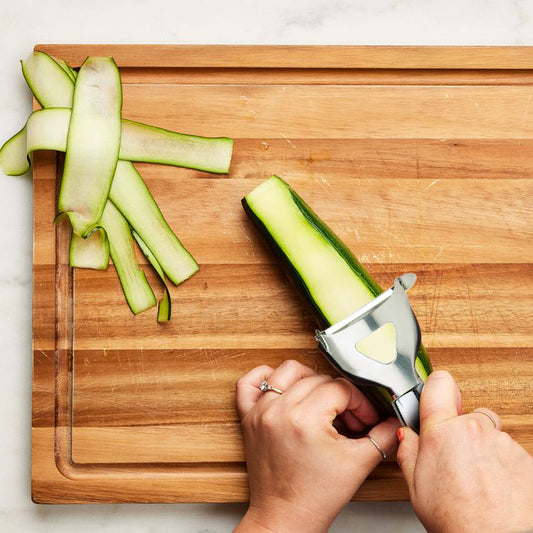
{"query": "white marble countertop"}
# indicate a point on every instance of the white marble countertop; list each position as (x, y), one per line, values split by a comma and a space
(25, 23)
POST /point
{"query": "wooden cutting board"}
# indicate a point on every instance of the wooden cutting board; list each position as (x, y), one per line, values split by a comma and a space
(419, 158)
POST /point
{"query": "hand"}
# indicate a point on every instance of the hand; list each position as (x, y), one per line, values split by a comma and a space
(463, 473)
(301, 470)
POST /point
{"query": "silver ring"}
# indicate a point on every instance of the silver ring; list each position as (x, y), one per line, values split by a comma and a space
(378, 447)
(265, 387)
(482, 411)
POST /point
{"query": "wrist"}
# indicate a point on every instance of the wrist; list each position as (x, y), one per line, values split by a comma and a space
(249, 524)
(281, 517)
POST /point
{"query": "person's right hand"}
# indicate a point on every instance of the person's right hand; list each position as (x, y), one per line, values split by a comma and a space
(464, 474)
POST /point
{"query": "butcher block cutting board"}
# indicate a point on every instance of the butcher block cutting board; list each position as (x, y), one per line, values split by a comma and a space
(419, 158)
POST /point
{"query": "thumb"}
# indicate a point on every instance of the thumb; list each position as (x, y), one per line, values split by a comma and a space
(407, 455)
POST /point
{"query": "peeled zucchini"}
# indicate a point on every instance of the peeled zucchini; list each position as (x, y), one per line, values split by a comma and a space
(128, 191)
(132, 197)
(325, 272)
(137, 291)
(92, 252)
(164, 307)
(14, 155)
(47, 129)
(101, 201)
(48, 80)
(93, 143)
(53, 87)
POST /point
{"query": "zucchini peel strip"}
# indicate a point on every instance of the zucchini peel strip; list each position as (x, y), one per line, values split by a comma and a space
(93, 143)
(47, 129)
(102, 193)
(137, 291)
(164, 308)
(92, 252)
(52, 82)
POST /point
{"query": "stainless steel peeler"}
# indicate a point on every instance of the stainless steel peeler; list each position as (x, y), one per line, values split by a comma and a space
(339, 341)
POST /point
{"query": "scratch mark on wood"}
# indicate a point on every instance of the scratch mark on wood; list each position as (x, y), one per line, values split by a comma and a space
(433, 183)
(44, 354)
(287, 139)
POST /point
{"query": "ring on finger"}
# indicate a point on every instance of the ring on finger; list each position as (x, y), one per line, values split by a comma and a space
(378, 447)
(266, 387)
(488, 414)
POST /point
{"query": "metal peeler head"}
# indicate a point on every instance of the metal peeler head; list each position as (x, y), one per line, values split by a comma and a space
(340, 344)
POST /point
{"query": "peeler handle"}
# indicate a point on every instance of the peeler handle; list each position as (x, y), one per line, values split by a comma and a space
(407, 407)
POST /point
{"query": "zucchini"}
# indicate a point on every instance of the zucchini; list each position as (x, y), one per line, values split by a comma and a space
(164, 308)
(137, 291)
(53, 87)
(132, 197)
(93, 143)
(47, 129)
(325, 272)
(14, 159)
(101, 194)
(48, 80)
(72, 74)
(151, 144)
(92, 252)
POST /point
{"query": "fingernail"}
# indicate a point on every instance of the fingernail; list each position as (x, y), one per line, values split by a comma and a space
(400, 434)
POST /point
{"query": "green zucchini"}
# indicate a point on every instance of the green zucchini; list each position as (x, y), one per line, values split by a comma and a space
(151, 144)
(58, 127)
(325, 272)
(14, 159)
(132, 197)
(53, 87)
(72, 74)
(93, 144)
(48, 80)
(164, 307)
(92, 252)
(47, 129)
(137, 291)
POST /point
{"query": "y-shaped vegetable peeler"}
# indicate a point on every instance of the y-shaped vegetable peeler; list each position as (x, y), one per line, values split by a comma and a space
(340, 341)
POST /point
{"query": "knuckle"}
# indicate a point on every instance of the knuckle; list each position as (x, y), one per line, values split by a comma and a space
(268, 419)
(297, 421)
(474, 426)
(291, 364)
(343, 384)
(240, 383)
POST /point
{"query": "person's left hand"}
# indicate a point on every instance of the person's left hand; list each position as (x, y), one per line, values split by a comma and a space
(301, 470)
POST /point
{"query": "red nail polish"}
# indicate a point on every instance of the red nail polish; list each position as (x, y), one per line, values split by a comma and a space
(400, 434)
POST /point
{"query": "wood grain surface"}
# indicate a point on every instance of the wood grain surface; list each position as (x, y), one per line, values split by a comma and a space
(420, 159)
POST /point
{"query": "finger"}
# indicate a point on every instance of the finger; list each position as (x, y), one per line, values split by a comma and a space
(407, 456)
(385, 435)
(337, 396)
(489, 417)
(288, 373)
(439, 399)
(352, 422)
(248, 391)
(297, 392)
